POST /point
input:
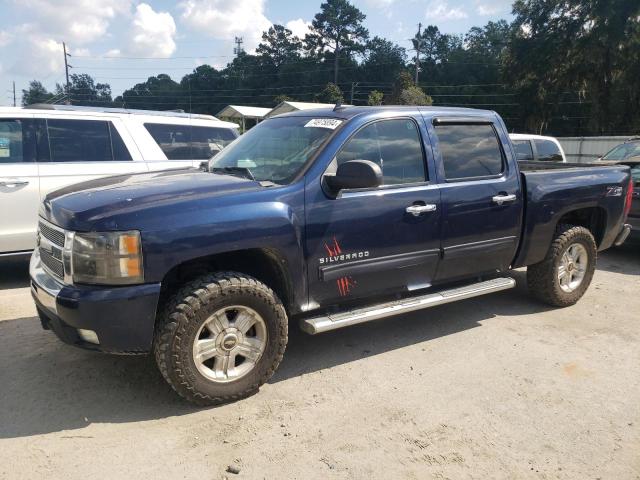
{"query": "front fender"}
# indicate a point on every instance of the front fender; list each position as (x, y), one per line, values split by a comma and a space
(271, 225)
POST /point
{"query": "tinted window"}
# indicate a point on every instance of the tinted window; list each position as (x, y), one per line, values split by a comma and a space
(118, 147)
(16, 141)
(548, 151)
(183, 142)
(523, 149)
(469, 151)
(394, 145)
(83, 141)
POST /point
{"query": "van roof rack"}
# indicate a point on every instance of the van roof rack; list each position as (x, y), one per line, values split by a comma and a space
(76, 108)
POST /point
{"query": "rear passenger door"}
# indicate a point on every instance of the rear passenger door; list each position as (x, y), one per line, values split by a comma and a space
(19, 184)
(481, 199)
(82, 149)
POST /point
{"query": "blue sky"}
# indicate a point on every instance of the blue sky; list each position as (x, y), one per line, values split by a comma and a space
(122, 42)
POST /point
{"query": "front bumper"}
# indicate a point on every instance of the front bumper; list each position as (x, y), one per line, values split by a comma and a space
(123, 318)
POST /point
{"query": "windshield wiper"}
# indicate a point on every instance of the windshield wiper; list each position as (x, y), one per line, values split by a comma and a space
(241, 172)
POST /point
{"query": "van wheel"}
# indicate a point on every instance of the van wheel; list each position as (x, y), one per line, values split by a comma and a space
(220, 338)
(566, 272)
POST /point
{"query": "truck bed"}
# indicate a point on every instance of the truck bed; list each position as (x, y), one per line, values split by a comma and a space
(550, 190)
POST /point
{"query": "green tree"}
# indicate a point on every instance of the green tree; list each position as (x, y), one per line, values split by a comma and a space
(83, 90)
(279, 45)
(36, 93)
(383, 60)
(375, 98)
(330, 94)
(414, 96)
(337, 28)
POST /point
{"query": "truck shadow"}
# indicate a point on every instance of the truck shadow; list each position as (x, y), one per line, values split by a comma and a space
(48, 387)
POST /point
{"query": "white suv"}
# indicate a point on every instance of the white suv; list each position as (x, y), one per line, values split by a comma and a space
(46, 147)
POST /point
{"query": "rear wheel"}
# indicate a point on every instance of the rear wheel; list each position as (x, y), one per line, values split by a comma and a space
(563, 277)
(220, 337)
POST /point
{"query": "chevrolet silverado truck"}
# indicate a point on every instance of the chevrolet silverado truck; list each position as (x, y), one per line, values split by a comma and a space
(327, 218)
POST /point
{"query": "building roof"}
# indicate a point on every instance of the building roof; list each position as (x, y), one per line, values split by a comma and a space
(287, 106)
(239, 111)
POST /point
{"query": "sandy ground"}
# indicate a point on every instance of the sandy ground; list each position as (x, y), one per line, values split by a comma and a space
(494, 387)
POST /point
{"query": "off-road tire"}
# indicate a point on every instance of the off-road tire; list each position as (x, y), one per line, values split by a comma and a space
(542, 278)
(184, 314)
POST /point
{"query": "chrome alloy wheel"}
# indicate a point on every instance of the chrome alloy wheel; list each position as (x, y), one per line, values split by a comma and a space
(229, 343)
(572, 267)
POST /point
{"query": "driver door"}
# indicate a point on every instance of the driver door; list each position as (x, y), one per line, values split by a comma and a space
(365, 242)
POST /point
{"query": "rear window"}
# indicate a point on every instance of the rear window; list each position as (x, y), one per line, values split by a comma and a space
(548, 151)
(85, 141)
(469, 151)
(184, 142)
(523, 149)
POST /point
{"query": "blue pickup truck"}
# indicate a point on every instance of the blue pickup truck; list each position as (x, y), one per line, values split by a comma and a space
(328, 218)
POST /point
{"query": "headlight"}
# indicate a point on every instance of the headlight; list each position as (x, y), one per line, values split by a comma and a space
(112, 258)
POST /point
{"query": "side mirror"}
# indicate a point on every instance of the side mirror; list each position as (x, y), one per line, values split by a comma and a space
(355, 174)
(204, 166)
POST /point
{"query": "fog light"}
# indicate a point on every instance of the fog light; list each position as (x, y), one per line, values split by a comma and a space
(89, 336)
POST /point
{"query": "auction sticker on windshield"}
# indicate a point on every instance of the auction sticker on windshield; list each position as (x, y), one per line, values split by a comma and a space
(330, 123)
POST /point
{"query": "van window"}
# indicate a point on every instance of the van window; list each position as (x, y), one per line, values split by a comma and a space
(16, 141)
(394, 144)
(548, 151)
(85, 141)
(469, 151)
(184, 142)
(523, 149)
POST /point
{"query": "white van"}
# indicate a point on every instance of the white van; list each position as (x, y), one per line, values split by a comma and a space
(537, 147)
(46, 147)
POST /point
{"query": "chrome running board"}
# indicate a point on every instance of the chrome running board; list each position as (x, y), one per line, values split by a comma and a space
(388, 309)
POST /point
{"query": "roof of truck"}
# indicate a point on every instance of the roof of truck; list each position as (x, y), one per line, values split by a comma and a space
(347, 112)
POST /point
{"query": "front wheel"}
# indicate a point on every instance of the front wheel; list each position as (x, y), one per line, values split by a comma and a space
(563, 277)
(220, 338)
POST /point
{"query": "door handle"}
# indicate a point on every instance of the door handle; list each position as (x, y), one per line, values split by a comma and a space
(500, 199)
(417, 210)
(12, 182)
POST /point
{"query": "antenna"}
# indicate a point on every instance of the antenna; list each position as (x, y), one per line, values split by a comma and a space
(239, 49)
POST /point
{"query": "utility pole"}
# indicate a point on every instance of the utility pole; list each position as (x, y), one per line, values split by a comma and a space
(66, 67)
(14, 93)
(418, 43)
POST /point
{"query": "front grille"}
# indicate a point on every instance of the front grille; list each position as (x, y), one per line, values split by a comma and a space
(51, 234)
(50, 245)
(53, 265)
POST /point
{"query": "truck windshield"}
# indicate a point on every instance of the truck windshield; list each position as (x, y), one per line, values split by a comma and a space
(623, 151)
(276, 149)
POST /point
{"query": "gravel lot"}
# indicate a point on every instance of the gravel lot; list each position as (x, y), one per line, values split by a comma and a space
(494, 387)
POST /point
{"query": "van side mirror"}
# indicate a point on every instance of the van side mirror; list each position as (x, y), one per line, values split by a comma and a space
(355, 174)
(204, 166)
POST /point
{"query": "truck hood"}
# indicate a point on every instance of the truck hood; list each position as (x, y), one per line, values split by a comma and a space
(83, 205)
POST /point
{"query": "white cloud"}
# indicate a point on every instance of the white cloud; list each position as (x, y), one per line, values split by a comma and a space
(299, 27)
(38, 56)
(486, 10)
(77, 21)
(152, 33)
(223, 19)
(440, 10)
